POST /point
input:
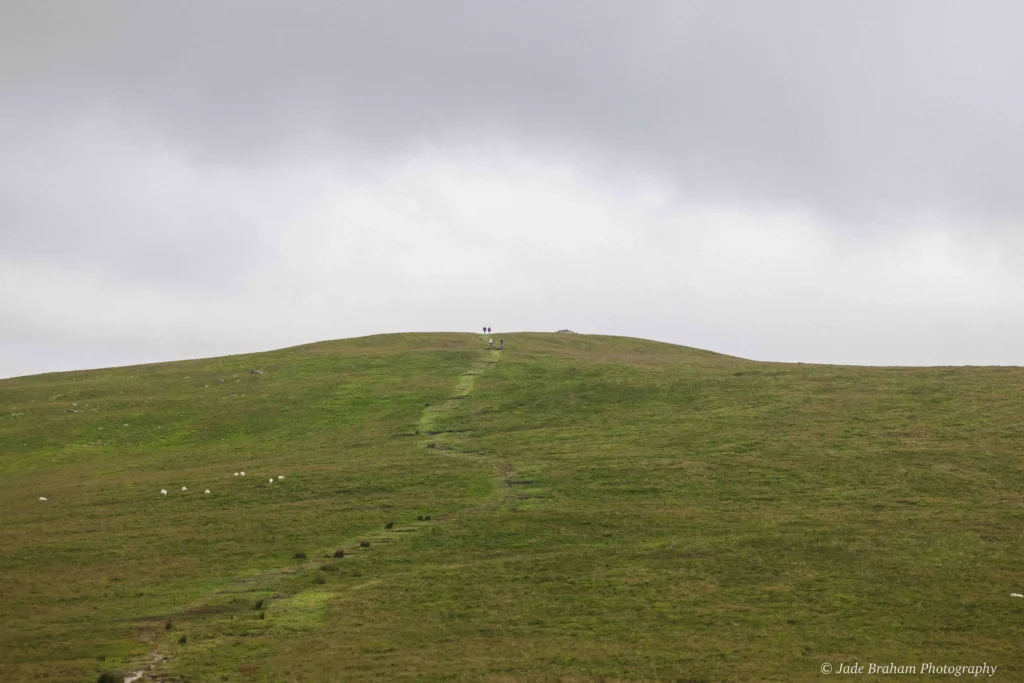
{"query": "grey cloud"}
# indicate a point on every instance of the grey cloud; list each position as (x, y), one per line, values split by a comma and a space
(854, 109)
(183, 178)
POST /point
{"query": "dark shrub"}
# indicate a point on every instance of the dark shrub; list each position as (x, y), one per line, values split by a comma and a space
(300, 555)
(364, 544)
(169, 625)
(263, 615)
(339, 553)
(319, 578)
(389, 525)
(258, 605)
(182, 640)
(426, 518)
(330, 568)
(110, 677)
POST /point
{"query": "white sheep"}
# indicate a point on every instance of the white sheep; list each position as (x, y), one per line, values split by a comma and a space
(206, 491)
(184, 488)
(280, 476)
(42, 499)
(1012, 595)
(271, 480)
(242, 473)
(163, 492)
(236, 474)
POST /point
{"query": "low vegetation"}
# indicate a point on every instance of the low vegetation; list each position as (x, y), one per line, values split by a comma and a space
(599, 509)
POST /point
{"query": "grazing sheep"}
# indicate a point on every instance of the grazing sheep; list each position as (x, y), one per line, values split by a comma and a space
(184, 488)
(242, 473)
(255, 372)
(42, 499)
(236, 474)
(1012, 595)
(271, 480)
(280, 477)
(206, 491)
(163, 492)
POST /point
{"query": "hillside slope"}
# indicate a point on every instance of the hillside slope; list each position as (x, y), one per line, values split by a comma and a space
(600, 508)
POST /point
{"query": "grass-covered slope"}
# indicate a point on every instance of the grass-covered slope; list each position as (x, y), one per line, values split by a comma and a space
(96, 569)
(601, 508)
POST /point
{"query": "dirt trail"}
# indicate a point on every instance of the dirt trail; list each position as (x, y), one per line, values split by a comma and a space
(453, 443)
(442, 442)
(154, 661)
(463, 388)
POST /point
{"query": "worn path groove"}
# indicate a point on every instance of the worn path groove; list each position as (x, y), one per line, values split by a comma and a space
(432, 438)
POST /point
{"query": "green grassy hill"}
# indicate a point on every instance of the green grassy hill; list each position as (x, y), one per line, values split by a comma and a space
(599, 508)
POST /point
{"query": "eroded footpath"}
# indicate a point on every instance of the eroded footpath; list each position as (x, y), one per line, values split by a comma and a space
(282, 602)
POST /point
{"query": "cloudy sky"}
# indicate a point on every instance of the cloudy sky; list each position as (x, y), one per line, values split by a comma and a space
(798, 181)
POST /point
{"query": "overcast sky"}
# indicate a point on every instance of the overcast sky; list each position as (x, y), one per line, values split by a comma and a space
(799, 181)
